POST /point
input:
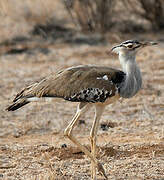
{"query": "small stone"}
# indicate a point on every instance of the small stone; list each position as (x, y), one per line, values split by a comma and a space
(104, 127)
(81, 122)
(63, 146)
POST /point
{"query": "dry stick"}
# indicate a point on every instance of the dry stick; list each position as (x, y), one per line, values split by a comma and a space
(103, 12)
(70, 13)
(93, 14)
(82, 14)
(50, 163)
(100, 6)
(79, 17)
(84, 8)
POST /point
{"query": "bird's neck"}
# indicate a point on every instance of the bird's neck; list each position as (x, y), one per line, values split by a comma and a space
(133, 80)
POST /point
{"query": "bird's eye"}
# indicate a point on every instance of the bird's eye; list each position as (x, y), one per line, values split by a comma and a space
(130, 46)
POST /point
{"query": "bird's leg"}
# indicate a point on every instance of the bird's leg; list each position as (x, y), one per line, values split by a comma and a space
(68, 132)
(98, 112)
(80, 109)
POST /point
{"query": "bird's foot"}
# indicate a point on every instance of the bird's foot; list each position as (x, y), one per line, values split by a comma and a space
(101, 170)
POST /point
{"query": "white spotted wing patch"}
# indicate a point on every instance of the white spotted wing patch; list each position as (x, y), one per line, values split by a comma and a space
(91, 95)
(105, 77)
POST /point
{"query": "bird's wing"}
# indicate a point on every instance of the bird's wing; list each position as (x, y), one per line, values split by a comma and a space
(81, 84)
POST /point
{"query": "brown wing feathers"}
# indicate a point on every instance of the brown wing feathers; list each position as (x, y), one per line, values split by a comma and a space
(79, 84)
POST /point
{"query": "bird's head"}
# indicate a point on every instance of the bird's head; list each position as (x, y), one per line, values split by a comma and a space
(130, 47)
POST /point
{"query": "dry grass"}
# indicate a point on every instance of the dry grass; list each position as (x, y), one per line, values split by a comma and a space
(91, 15)
(37, 11)
(142, 9)
(126, 15)
(21, 16)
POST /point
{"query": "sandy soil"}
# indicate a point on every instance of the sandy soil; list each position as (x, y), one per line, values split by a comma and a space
(131, 133)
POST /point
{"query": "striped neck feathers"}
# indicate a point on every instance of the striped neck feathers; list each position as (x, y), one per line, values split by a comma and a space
(133, 80)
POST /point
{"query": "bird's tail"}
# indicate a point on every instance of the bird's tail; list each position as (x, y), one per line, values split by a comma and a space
(22, 98)
(18, 104)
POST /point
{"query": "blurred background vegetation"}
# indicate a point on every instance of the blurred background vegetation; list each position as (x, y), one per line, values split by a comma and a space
(45, 18)
(37, 24)
(103, 15)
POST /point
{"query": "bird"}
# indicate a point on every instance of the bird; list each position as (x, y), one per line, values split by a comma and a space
(89, 85)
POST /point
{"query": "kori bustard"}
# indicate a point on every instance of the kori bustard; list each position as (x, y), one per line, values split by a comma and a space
(89, 85)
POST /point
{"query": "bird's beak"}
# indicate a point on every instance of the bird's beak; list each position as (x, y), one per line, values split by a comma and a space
(148, 44)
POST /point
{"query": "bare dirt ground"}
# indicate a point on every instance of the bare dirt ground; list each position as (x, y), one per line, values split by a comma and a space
(131, 133)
